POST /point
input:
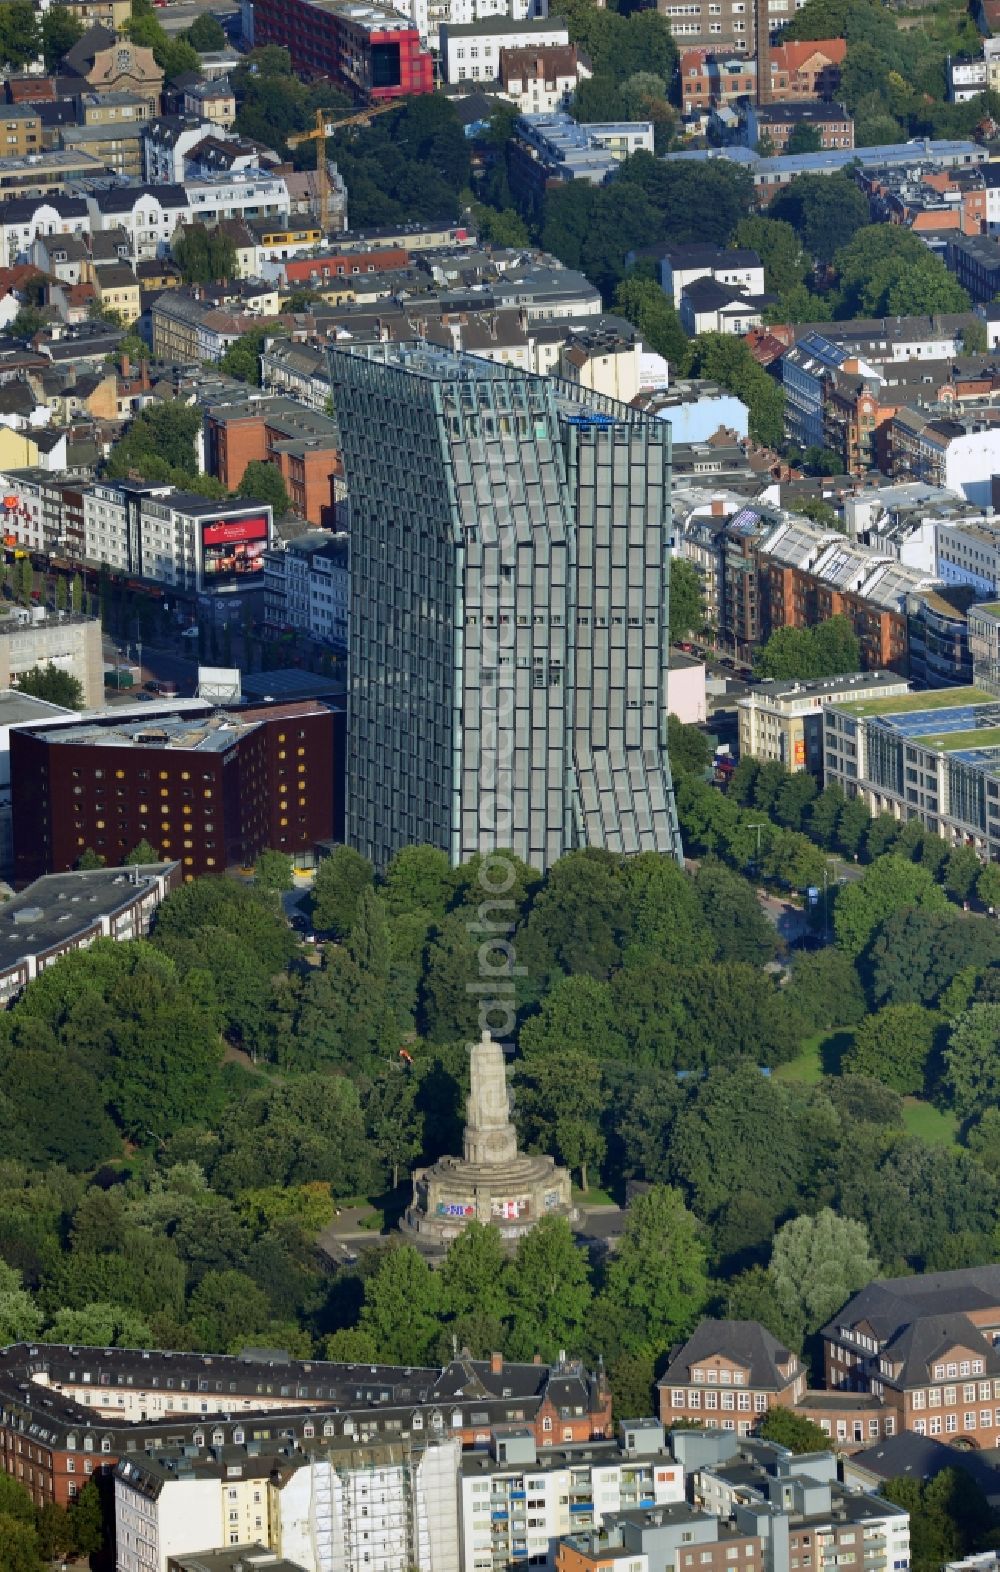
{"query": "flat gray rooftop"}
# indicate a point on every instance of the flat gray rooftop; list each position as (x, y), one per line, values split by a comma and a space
(54, 908)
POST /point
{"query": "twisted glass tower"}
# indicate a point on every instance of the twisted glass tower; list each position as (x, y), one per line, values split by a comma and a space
(509, 595)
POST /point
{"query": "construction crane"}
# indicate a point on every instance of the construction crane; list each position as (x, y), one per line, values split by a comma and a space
(325, 128)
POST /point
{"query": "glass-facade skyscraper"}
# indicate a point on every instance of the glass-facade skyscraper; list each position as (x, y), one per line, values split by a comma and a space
(509, 594)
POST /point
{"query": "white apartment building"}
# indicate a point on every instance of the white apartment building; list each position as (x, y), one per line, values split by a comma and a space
(385, 1507)
(165, 148)
(171, 1505)
(150, 214)
(517, 1501)
(23, 219)
(381, 1506)
(431, 15)
(782, 722)
(682, 265)
(307, 586)
(969, 553)
(470, 51)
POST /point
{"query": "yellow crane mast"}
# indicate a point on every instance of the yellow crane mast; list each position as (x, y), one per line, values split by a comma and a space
(325, 128)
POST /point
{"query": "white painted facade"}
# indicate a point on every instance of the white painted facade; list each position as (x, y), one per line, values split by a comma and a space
(186, 1515)
(513, 1510)
(472, 53)
(397, 1512)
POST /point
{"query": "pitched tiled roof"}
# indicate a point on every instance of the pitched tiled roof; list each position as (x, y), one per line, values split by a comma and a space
(793, 56)
(746, 1343)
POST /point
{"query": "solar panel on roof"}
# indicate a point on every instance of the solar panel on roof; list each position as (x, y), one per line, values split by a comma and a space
(745, 521)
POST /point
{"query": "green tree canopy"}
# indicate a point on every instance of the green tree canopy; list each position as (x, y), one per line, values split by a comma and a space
(656, 1284)
(261, 482)
(204, 255)
(824, 210)
(242, 359)
(206, 34)
(727, 359)
(786, 1428)
(894, 1046)
(817, 1263)
(340, 879)
(52, 684)
(972, 1060)
(642, 302)
(886, 886)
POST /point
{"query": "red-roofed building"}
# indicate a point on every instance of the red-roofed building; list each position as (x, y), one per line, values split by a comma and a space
(31, 90)
(799, 71)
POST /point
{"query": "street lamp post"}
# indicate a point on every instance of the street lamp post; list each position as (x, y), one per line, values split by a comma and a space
(826, 897)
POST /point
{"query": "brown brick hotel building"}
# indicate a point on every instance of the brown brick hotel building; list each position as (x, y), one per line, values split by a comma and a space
(210, 789)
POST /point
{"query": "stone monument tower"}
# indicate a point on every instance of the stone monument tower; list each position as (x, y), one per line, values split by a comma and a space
(492, 1182)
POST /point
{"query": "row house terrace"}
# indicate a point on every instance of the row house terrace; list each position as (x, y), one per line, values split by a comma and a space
(66, 1412)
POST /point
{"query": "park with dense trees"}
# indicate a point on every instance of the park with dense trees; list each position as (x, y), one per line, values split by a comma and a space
(224, 1085)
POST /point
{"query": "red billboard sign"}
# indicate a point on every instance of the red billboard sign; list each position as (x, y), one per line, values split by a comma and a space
(225, 530)
(232, 549)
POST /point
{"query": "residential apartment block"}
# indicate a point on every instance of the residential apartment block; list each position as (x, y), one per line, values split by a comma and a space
(505, 593)
(302, 444)
(516, 1500)
(307, 586)
(353, 1504)
(682, 265)
(122, 1403)
(798, 1511)
(716, 24)
(711, 79)
(471, 51)
(957, 449)
(777, 122)
(782, 722)
(806, 575)
(69, 911)
(156, 532)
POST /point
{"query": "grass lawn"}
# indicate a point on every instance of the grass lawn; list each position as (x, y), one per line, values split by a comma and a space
(951, 741)
(932, 1126)
(819, 1055)
(945, 698)
(595, 1196)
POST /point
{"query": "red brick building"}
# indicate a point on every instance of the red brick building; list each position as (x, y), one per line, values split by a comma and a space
(301, 443)
(210, 789)
(67, 1414)
(929, 1347)
(372, 51)
(727, 1375)
(711, 79)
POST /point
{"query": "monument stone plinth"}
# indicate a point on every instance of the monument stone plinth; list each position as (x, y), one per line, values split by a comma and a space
(492, 1182)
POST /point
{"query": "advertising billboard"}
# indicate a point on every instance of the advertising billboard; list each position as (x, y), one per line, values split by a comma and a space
(233, 549)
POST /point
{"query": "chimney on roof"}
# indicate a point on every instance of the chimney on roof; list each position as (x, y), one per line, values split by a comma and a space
(126, 365)
(536, 1359)
(496, 1364)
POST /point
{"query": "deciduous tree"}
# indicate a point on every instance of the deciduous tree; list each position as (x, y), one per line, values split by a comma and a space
(656, 1281)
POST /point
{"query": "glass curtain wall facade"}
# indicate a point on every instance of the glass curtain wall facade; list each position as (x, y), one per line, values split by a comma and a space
(509, 596)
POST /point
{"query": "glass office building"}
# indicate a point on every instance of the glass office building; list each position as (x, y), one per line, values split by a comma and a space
(509, 593)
